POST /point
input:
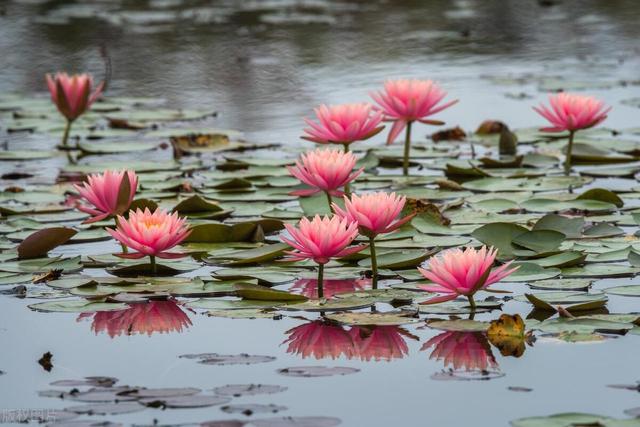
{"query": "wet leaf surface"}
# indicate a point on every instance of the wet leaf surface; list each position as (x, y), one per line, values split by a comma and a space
(316, 371)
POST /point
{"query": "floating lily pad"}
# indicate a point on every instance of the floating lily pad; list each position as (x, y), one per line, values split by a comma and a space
(316, 371)
(386, 318)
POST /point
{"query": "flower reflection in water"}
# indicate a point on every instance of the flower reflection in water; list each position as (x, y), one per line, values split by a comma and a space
(309, 287)
(324, 339)
(462, 351)
(141, 318)
(381, 342)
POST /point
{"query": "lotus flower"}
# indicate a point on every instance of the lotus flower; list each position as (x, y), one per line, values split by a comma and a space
(102, 191)
(343, 124)
(141, 318)
(72, 95)
(150, 234)
(309, 287)
(456, 272)
(375, 213)
(320, 339)
(571, 113)
(325, 170)
(462, 350)
(406, 101)
(322, 239)
(381, 342)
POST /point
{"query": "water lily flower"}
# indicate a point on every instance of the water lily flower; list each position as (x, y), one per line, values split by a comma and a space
(456, 272)
(321, 239)
(72, 95)
(109, 193)
(462, 350)
(331, 287)
(569, 112)
(141, 318)
(326, 171)
(320, 339)
(406, 101)
(381, 342)
(375, 213)
(151, 234)
(343, 124)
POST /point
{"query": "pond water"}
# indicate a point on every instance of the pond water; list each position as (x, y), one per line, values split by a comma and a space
(263, 66)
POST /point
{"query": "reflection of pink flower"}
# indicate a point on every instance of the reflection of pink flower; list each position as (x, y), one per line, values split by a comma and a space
(462, 350)
(72, 94)
(343, 124)
(102, 191)
(572, 112)
(320, 339)
(141, 318)
(309, 287)
(325, 170)
(457, 272)
(380, 342)
(404, 101)
(322, 238)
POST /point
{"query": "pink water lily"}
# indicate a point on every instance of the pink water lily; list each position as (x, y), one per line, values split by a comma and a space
(102, 192)
(321, 239)
(406, 101)
(151, 234)
(325, 170)
(72, 95)
(458, 272)
(569, 112)
(343, 124)
(375, 213)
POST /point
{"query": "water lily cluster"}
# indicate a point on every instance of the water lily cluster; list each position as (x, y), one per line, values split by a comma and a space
(356, 219)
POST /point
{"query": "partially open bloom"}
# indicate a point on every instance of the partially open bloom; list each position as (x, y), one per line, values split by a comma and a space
(320, 339)
(141, 318)
(325, 170)
(384, 342)
(375, 213)
(467, 351)
(405, 101)
(102, 191)
(456, 272)
(343, 124)
(569, 112)
(72, 94)
(322, 238)
(151, 234)
(309, 287)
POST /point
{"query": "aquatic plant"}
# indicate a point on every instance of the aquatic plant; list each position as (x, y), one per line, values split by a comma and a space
(375, 213)
(72, 94)
(109, 193)
(321, 239)
(151, 234)
(406, 101)
(325, 170)
(569, 112)
(458, 272)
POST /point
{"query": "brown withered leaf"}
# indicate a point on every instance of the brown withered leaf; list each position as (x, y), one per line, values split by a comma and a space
(452, 134)
(447, 184)
(489, 127)
(45, 361)
(507, 334)
(48, 276)
(421, 207)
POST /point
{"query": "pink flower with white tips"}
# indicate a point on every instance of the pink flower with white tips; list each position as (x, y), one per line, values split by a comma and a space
(343, 124)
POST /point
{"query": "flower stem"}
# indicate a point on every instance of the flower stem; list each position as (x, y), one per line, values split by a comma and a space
(65, 136)
(407, 149)
(472, 303)
(154, 267)
(122, 245)
(329, 200)
(320, 281)
(374, 263)
(567, 160)
(347, 187)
